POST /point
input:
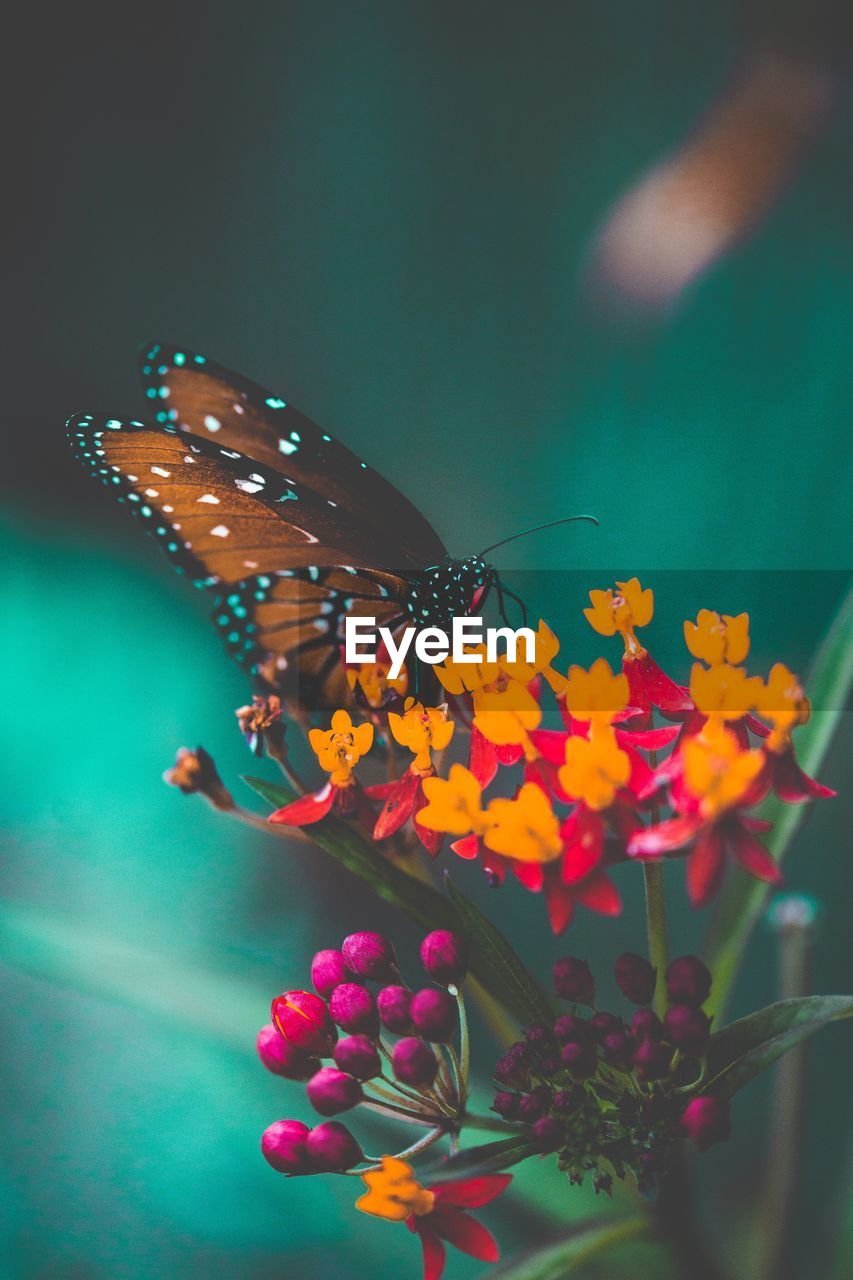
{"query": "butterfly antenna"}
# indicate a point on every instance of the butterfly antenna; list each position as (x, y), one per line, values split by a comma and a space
(536, 528)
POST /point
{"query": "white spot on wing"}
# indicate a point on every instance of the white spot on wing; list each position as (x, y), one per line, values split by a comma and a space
(161, 471)
(209, 497)
(212, 424)
(220, 531)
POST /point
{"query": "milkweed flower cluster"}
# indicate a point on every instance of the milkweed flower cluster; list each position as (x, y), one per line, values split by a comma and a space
(608, 786)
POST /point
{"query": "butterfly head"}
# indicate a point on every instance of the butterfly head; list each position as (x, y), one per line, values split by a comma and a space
(448, 590)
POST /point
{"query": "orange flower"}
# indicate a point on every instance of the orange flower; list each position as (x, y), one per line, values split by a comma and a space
(464, 677)
(376, 682)
(718, 772)
(596, 767)
(340, 748)
(716, 638)
(597, 694)
(630, 607)
(526, 828)
(453, 803)
(723, 692)
(393, 1192)
(781, 700)
(423, 730)
(505, 713)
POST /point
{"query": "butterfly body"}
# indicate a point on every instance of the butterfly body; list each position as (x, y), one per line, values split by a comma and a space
(287, 527)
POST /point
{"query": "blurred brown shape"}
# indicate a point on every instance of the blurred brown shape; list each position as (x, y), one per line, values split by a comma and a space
(690, 209)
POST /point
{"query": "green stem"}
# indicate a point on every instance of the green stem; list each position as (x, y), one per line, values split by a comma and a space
(656, 925)
(464, 1042)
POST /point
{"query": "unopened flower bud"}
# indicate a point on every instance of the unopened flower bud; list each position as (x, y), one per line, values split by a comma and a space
(329, 970)
(284, 1059)
(393, 1006)
(506, 1104)
(573, 980)
(636, 978)
(616, 1049)
(571, 1027)
(601, 1024)
(414, 1063)
(332, 1148)
(688, 981)
(550, 1064)
(357, 1055)
(651, 1060)
(581, 1059)
(534, 1104)
(706, 1120)
(567, 1100)
(195, 773)
(353, 1008)
(303, 1020)
(513, 1069)
(433, 1014)
(369, 955)
(444, 955)
(646, 1025)
(540, 1037)
(687, 1028)
(284, 1146)
(549, 1133)
(331, 1091)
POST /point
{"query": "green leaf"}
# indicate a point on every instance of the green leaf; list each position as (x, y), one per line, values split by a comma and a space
(749, 1046)
(489, 1157)
(522, 995)
(423, 903)
(556, 1261)
(744, 899)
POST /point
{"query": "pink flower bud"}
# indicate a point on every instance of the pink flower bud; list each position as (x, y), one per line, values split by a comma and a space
(646, 1025)
(616, 1049)
(602, 1024)
(571, 1027)
(581, 1059)
(414, 1062)
(358, 1056)
(688, 981)
(687, 1028)
(506, 1104)
(573, 980)
(433, 1014)
(534, 1104)
(329, 970)
(284, 1146)
(330, 1091)
(283, 1059)
(651, 1060)
(303, 1020)
(706, 1120)
(636, 978)
(393, 1005)
(550, 1133)
(353, 1008)
(369, 955)
(445, 957)
(332, 1148)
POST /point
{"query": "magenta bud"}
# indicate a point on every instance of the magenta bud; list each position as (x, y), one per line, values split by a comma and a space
(540, 1037)
(393, 1005)
(331, 1091)
(303, 1020)
(506, 1104)
(706, 1120)
(414, 1062)
(283, 1059)
(601, 1024)
(636, 978)
(581, 1059)
(651, 1060)
(566, 1100)
(514, 1067)
(358, 1056)
(549, 1133)
(329, 970)
(433, 1014)
(353, 1008)
(616, 1049)
(332, 1148)
(534, 1104)
(687, 1028)
(445, 957)
(688, 981)
(573, 980)
(571, 1027)
(284, 1146)
(369, 955)
(646, 1025)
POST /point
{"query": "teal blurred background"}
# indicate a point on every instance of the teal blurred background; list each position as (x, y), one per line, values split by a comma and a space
(385, 212)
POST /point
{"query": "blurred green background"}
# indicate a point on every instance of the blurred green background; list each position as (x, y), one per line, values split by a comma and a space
(383, 211)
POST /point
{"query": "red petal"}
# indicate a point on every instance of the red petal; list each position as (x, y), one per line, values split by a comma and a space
(755, 726)
(482, 758)
(650, 685)
(434, 1254)
(705, 866)
(583, 842)
(530, 874)
(468, 1235)
(551, 744)
(753, 857)
(494, 865)
(398, 806)
(467, 847)
(472, 1193)
(672, 833)
(509, 754)
(307, 809)
(431, 840)
(649, 739)
(600, 894)
(794, 786)
(560, 901)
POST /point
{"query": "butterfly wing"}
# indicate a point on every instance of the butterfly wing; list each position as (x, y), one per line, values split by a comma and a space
(199, 397)
(286, 564)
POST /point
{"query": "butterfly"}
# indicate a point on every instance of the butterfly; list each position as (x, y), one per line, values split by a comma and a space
(288, 528)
